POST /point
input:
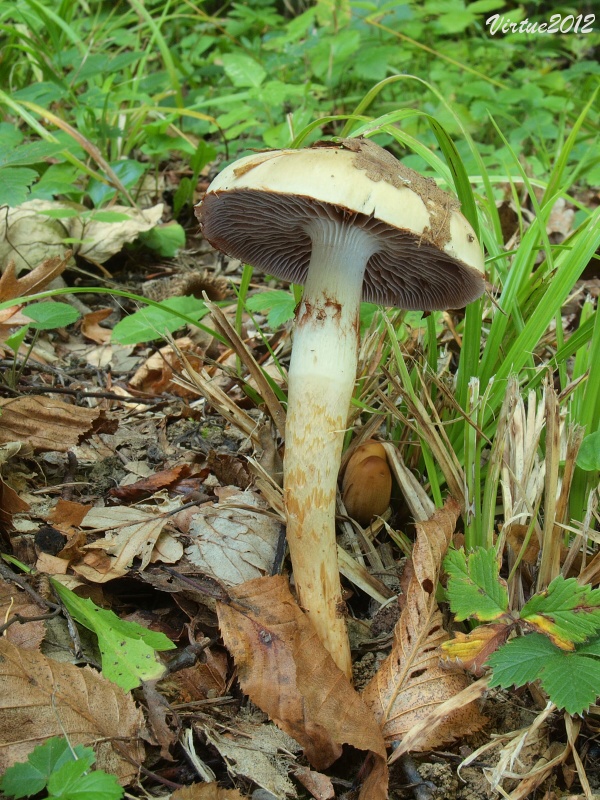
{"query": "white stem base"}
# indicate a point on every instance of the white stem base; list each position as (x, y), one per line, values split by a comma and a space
(321, 380)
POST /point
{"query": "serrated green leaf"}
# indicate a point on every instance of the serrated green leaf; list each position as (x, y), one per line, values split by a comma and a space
(520, 661)
(279, 304)
(534, 657)
(151, 323)
(28, 778)
(475, 588)
(567, 612)
(14, 185)
(31, 153)
(127, 649)
(50, 314)
(93, 786)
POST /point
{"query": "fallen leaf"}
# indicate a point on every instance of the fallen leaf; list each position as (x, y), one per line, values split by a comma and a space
(319, 785)
(34, 281)
(411, 680)
(206, 791)
(10, 503)
(286, 671)
(234, 544)
(48, 424)
(470, 651)
(155, 376)
(91, 328)
(165, 479)
(252, 750)
(67, 515)
(14, 601)
(28, 235)
(137, 534)
(41, 698)
(203, 680)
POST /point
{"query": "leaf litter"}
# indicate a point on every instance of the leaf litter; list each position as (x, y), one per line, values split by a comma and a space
(178, 503)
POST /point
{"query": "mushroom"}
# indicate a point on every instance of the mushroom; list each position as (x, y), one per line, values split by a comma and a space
(349, 222)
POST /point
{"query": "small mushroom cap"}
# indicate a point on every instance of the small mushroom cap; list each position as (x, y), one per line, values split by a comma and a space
(259, 208)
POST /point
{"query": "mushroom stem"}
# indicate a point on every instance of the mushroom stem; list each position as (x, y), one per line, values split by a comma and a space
(321, 381)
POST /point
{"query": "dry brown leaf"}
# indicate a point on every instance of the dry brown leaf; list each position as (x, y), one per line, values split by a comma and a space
(138, 534)
(67, 515)
(14, 601)
(34, 281)
(91, 328)
(40, 698)
(28, 235)
(286, 671)
(206, 791)
(411, 681)
(255, 750)
(470, 651)
(164, 479)
(10, 503)
(234, 544)
(155, 376)
(319, 785)
(48, 424)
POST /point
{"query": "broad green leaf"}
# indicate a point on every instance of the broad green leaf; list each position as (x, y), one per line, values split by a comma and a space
(166, 240)
(16, 340)
(588, 457)
(571, 679)
(72, 783)
(29, 777)
(31, 153)
(50, 314)
(243, 70)
(279, 304)
(567, 612)
(475, 588)
(127, 648)
(151, 323)
(14, 185)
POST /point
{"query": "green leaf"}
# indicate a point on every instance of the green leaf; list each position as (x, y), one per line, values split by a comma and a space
(31, 153)
(14, 185)
(71, 783)
(127, 648)
(16, 340)
(106, 216)
(567, 612)
(588, 457)
(151, 323)
(572, 680)
(28, 778)
(166, 240)
(279, 304)
(475, 588)
(50, 314)
(243, 70)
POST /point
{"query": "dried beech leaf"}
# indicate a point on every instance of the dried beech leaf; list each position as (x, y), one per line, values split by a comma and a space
(138, 534)
(319, 785)
(254, 751)
(206, 791)
(91, 328)
(34, 281)
(40, 698)
(49, 424)
(234, 544)
(286, 671)
(27, 635)
(411, 681)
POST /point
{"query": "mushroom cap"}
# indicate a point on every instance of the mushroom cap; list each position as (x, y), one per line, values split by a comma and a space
(259, 208)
